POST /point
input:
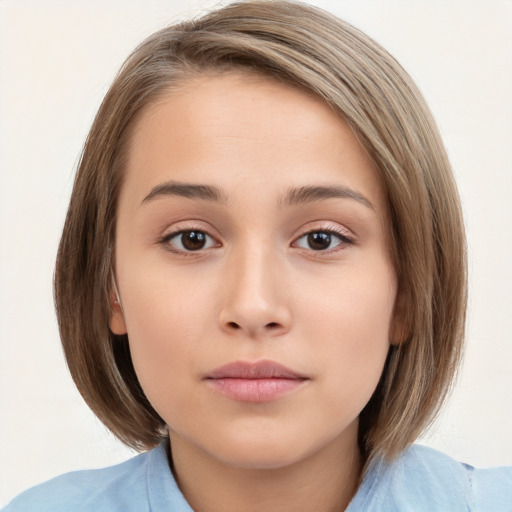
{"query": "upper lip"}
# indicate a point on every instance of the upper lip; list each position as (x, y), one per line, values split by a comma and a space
(254, 370)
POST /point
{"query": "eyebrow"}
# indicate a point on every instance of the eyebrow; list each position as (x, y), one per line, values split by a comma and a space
(311, 193)
(190, 190)
(294, 196)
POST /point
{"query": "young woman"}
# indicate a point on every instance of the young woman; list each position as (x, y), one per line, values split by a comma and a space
(262, 277)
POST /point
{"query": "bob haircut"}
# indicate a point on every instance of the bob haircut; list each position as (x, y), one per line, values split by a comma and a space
(309, 49)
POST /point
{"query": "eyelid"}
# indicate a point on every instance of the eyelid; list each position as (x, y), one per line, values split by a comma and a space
(327, 226)
(189, 225)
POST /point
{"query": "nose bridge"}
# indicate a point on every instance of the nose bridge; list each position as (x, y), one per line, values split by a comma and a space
(254, 301)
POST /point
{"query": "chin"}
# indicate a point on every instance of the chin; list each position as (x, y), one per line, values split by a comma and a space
(259, 460)
(263, 452)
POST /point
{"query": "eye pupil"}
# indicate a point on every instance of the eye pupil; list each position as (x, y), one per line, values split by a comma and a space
(193, 240)
(319, 240)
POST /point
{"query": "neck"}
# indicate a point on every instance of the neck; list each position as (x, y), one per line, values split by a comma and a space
(324, 482)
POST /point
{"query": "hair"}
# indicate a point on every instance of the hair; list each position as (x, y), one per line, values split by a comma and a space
(307, 48)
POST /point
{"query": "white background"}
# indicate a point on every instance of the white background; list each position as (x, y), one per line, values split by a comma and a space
(57, 59)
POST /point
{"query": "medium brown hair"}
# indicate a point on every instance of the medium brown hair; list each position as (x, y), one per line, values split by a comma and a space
(311, 49)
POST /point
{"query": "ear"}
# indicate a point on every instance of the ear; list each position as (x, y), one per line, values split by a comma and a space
(117, 323)
(398, 330)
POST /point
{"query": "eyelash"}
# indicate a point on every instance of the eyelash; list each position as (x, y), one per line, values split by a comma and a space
(165, 240)
(344, 240)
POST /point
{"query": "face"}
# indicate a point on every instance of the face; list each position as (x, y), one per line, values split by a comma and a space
(254, 271)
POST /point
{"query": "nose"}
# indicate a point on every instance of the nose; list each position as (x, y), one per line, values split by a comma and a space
(255, 296)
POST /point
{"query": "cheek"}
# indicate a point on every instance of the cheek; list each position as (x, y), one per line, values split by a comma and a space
(162, 305)
(350, 325)
(356, 304)
(164, 332)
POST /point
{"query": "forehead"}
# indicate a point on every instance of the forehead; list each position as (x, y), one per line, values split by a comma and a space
(234, 128)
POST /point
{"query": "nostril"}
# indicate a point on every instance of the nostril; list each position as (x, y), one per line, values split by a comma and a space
(273, 325)
(233, 325)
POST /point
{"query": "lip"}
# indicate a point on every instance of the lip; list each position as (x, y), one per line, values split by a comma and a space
(262, 381)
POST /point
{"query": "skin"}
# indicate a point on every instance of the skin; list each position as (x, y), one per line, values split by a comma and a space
(256, 291)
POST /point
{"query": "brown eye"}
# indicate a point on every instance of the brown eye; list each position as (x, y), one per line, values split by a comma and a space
(319, 241)
(322, 240)
(193, 240)
(189, 241)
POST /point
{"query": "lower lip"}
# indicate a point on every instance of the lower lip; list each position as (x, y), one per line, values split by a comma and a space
(255, 390)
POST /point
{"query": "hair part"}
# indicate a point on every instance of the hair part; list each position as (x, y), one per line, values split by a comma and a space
(308, 48)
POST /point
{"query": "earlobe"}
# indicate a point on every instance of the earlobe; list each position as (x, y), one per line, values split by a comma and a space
(398, 334)
(398, 331)
(117, 323)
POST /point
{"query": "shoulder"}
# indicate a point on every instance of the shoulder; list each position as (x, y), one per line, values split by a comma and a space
(481, 489)
(119, 487)
(428, 480)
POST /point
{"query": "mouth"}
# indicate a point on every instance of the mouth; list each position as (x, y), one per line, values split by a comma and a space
(262, 381)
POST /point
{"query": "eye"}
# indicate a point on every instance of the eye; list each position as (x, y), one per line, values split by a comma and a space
(189, 240)
(322, 240)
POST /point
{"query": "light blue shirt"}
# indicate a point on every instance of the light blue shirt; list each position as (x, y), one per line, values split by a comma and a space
(420, 480)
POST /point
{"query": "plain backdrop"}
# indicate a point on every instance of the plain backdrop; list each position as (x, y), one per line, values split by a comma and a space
(57, 59)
